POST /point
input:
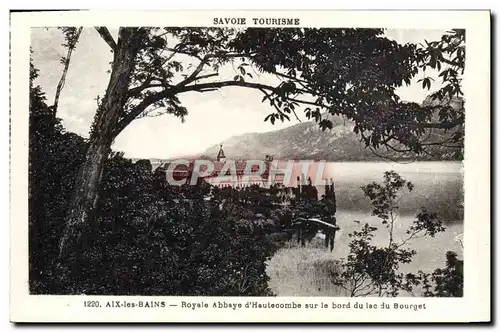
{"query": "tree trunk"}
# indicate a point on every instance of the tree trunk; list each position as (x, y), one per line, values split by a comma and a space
(101, 138)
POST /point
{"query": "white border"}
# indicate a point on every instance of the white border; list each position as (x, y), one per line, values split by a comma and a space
(474, 306)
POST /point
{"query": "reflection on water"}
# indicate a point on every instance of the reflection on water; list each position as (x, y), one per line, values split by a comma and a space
(438, 187)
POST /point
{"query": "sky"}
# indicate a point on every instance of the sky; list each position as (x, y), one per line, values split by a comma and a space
(213, 116)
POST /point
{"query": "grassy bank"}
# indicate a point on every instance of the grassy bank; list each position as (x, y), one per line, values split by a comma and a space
(303, 271)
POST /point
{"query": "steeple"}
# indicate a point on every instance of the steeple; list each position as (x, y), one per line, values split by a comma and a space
(221, 156)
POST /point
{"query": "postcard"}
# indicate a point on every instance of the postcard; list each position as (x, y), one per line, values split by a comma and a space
(250, 166)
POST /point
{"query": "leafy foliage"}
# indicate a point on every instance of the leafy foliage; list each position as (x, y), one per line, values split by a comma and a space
(145, 242)
(450, 280)
(443, 282)
(349, 72)
(374, 270)
(353, 73)
(140, 228)
(147, 238)
(54, 159)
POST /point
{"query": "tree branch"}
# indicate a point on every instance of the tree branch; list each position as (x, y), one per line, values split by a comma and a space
(138, 109)
(147, 84)
(206, 76)
(106, 35)
(272, 102)
(210, 86)
(193, 75)
(129, 117)
(290, 77)
(177, 51)
(62, 81)
(203, 62)
(450, 62)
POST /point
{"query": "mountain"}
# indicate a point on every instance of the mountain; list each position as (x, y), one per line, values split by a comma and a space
(307, 141)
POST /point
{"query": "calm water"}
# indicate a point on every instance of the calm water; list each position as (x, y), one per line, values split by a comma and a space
(438, 187)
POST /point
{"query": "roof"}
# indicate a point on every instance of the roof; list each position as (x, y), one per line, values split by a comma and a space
(221, 154)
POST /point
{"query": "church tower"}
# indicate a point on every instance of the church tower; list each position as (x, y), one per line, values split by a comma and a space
(221, 157)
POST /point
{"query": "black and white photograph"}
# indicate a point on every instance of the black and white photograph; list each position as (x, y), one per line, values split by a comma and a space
(253, 157)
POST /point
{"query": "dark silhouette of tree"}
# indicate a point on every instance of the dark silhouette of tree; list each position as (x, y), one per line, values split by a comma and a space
(54, 159)
(71, 36)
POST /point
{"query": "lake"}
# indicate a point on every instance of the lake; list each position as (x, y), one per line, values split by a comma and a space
(438, 187)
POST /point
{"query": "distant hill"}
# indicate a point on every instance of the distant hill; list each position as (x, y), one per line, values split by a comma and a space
(307, 141)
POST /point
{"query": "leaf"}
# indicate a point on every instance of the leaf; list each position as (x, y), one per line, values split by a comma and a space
(250, 75)
(308, 112)
(325, 124)
(242, 70)
(426, 83)
(432, 63)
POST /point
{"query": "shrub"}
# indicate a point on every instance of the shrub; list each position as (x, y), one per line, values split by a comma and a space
(146, 238)
(374, 270)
